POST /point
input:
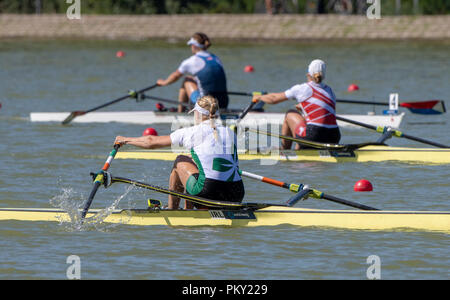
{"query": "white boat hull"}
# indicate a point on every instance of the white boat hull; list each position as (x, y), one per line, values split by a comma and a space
(151, 117)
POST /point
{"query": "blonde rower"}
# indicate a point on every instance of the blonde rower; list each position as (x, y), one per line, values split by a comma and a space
(212, 169)
(317, 104)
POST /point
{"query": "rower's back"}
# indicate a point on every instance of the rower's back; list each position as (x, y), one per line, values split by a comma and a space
(214, 151)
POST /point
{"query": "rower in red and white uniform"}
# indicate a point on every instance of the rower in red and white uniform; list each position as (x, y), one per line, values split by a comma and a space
(315, 117)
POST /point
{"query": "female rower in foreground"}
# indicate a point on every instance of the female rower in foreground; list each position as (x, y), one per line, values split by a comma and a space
(212, 171)
(317, 102)
(208, 75)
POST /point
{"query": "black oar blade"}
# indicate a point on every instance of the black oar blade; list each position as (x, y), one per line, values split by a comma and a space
(89, 201)
(346, 202)
(72, 116)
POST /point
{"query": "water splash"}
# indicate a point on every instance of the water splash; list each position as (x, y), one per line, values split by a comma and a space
(71, 202)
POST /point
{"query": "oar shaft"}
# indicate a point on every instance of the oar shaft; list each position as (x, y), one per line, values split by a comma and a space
(240, 94)
(90, 199)
(164, 100)
(297, 188)
(246, 94)
(99, 180)
(120, 99)
(199, 200)
(346, 202)
(75, 114)
(362, 102)
(246, 110)
(396, 133)
(417, 139)
(368, 126)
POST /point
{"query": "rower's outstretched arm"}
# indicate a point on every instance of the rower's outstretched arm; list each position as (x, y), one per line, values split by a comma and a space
(145, 142)
(171, 79)
(272, 98)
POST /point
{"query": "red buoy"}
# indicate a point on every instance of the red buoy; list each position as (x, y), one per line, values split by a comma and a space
(150, 131)
(363, 185)
(0, 105)
(120, 54)
(249, 69)
(352, 87)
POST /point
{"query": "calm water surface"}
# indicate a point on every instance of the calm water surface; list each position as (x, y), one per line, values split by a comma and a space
(43, 164)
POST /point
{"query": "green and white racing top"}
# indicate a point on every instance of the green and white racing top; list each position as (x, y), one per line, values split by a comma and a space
(216, 160)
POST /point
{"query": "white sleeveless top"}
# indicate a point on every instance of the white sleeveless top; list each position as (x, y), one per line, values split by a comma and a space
(216, 160)
(318, 103)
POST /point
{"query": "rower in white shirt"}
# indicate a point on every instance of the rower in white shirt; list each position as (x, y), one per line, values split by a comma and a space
(207, 75)
(316, 108)
(212, 169)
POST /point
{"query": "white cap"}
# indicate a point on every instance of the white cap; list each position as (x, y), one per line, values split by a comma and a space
(194, 42)
(317, 66)
(201, 110)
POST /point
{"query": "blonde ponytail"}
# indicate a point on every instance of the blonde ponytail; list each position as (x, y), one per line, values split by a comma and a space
(210, 104)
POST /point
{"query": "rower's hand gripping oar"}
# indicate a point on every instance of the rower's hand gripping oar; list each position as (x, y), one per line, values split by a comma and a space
(99, 180)
(395, 133)
(303, 192)
(132, 94)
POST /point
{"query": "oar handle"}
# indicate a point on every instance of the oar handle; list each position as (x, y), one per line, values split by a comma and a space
(289, 186)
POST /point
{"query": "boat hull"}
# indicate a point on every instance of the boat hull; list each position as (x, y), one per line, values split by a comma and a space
(252, 118)
(365, 154)
(271, 216)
